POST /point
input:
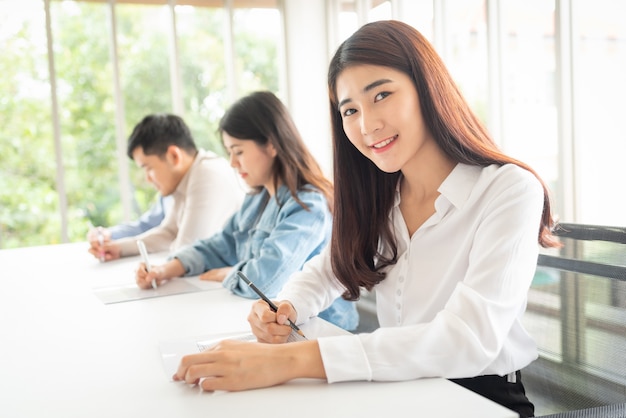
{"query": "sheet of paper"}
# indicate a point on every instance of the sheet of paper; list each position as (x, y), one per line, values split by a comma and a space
(120, 272)
(173, 350)
(129, 292)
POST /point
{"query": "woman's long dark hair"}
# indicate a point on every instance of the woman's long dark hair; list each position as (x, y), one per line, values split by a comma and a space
(263, 118)
(364, 195)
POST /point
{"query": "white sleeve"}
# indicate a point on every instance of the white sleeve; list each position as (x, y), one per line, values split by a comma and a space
(213, 196)
(312, 289)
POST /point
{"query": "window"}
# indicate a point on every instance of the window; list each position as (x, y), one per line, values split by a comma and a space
(29, 206)
(464, 50)
(528, 62)
(111, 65)
(63, 155)
(599, 57)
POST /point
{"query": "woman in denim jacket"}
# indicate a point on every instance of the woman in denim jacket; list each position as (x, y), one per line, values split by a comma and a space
(283, 222)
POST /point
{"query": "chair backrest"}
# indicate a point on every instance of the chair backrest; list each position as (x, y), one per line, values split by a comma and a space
(607, 411)
(577, 313)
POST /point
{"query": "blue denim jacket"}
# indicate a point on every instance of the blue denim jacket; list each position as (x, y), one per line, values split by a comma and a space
(268, 240)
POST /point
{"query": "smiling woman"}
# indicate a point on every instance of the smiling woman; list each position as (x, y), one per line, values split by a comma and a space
(374, 102)
(430, 215)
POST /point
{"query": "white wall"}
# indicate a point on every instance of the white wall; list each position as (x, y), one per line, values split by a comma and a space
(308, 55)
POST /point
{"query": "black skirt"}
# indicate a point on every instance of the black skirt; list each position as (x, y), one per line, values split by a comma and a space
(511, 395)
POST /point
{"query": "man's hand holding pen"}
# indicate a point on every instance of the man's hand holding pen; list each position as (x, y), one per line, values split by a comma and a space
(100, 244)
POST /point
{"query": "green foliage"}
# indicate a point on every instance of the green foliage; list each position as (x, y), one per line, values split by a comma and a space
(29, 211)
(85, 82)
(203, 73)
(29, 200)
(257, 61)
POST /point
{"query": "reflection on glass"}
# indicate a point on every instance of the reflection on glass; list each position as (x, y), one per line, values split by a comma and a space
(529, 123)
(466, 51)
(381, 10)
(599, 91)
(419, 14)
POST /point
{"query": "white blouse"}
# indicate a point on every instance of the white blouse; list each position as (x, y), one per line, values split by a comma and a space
(452, 305)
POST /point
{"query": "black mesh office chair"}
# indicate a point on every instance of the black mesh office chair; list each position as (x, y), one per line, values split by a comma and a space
(577, 314)
(607, 411)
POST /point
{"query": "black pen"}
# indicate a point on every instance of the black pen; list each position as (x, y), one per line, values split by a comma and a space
(269, 302)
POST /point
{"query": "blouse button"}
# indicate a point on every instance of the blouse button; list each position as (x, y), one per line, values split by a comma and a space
(398, 292)
(401, 279)
(398, 306)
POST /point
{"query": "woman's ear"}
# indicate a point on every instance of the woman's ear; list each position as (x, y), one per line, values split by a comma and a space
(271, 149)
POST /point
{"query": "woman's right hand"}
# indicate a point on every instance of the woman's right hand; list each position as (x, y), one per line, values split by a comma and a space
(162, 273)
(144, 278)
(269, 326)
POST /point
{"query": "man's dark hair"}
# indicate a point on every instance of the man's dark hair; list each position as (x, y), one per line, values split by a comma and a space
(156, 132)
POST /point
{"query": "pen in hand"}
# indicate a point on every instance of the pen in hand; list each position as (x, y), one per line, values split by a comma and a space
(100, 243)
(146, 260)
(273, 307)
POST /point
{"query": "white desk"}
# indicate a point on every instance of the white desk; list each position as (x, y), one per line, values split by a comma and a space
(63, 353)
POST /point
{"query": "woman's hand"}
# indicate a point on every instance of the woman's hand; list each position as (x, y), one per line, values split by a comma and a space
(144, 278)
(216, 275)
(269, 326)
(237, 365)
(160, 274)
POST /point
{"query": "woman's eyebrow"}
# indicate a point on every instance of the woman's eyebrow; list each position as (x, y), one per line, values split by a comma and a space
(376, 84)
(367, 88)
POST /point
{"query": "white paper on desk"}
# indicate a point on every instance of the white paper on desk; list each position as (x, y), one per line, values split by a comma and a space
(126, 293)
(173, 350)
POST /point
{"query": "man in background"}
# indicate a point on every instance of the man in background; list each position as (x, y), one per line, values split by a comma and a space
(203, 187)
